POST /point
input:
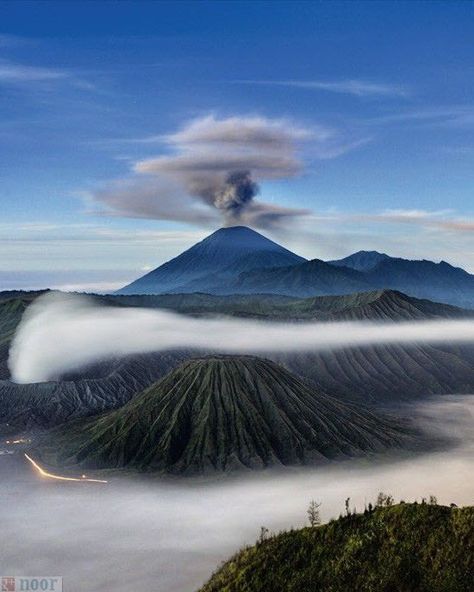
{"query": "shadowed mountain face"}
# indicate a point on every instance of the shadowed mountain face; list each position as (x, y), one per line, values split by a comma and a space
(91, 391)
(222, 255)
(408, 547)
(439, 282)
(223, 413)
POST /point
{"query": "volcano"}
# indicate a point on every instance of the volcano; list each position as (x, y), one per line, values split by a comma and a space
(224, 254)
(222, 413)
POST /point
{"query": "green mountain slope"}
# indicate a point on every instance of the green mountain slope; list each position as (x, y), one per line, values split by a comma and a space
(373, 305)
(403, 548)
(222, 413)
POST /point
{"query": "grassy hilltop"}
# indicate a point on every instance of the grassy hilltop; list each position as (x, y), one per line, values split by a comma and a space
(401, 548)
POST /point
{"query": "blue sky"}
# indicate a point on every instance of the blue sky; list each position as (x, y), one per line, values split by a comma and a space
(371, 102)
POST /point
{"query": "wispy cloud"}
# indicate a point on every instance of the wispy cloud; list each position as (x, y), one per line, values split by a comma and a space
(12, 73)
(354, 87)
(17, 74)
(437, 219)
(443, 115)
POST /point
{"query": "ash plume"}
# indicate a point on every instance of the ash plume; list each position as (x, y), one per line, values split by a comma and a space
(213, 170)
(238, 191)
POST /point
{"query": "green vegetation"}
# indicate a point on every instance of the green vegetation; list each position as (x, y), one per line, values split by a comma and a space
(223, 413)
(390, 548)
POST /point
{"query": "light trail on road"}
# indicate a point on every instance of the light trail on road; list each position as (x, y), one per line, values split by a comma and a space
(47, 475)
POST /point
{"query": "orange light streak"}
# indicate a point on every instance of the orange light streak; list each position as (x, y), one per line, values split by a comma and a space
(47, 475)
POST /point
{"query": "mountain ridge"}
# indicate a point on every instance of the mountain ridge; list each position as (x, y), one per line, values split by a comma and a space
(238, 260)
(361, 260)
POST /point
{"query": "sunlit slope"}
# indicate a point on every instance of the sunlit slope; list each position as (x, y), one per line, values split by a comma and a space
(222, 413)
(403, 548)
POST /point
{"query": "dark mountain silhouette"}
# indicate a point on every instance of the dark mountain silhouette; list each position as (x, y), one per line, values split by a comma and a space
(387, 305)
(440, 282)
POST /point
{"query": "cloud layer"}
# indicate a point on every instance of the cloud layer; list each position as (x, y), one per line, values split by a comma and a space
(61, 332)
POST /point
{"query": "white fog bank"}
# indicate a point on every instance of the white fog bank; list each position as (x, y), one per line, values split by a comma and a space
(60, 332)
(170, 536)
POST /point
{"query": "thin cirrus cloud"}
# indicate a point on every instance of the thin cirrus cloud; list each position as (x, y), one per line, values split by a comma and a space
(16, 73)
(437, 219)
(440, 219)
(354, 87)
(456, 116)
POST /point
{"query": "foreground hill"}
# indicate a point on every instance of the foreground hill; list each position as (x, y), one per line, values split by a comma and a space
(222, 255)
(223, 413)
(403, 548)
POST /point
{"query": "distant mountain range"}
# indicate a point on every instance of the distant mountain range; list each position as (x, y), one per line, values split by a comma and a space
(222, 413)
(239, 260)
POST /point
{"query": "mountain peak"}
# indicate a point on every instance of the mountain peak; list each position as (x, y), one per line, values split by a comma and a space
(280, 420)
(235, 248)
(242, 238)
(361, 260)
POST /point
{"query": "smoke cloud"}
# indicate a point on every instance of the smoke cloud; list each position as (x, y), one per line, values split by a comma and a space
(213, 173)
(60, 332)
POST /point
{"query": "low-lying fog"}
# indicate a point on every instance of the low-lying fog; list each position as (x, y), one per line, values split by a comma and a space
(136, 534)
(63, 332)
